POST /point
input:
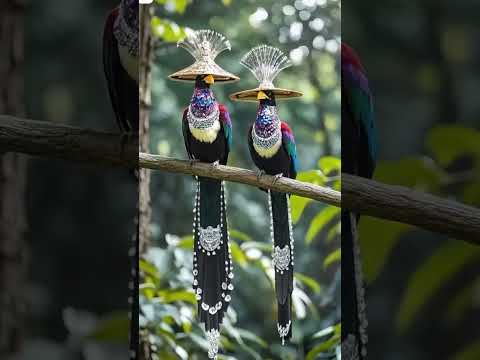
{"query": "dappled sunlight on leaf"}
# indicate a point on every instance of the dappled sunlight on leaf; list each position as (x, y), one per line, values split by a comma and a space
(447, 261)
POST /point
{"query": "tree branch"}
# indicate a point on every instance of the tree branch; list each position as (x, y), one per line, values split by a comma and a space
(239, 175)
(66, 142)
(360, 195)
(398, 203)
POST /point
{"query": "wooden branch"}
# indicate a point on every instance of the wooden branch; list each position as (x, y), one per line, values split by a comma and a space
(408, 206)
(243, 176)
(66, 142)
(360, 195)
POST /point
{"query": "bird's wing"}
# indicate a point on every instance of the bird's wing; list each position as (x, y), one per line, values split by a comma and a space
(360, 103)
(289, 145)
(187, 136)
(122, 89)
(227, 125)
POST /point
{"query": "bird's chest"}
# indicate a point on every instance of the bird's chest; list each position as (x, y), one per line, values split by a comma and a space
(204, 129)
(129, 62)
(266, 145)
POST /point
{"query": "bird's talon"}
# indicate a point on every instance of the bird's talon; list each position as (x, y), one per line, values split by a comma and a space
(216, 163)
(260, 173)
(277, 177)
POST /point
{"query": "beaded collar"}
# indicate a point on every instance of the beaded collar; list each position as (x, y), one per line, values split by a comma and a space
(203, 110)
(125, 28)
(266, 131)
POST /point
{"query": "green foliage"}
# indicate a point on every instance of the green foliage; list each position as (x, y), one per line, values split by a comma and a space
(316, 74)
(441, 267)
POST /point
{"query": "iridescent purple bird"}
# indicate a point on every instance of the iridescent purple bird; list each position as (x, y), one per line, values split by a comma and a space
(273, 150)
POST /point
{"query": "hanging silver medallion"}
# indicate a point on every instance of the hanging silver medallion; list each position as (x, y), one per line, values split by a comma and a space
(210, 237)
(281, 257)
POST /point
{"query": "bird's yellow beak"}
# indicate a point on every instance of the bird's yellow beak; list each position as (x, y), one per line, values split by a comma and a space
(262, 96)
(209, 79)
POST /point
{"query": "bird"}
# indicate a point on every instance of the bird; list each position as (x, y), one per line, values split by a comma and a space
(273, 150)
(207, 134)
(120, 64)
(359, 154)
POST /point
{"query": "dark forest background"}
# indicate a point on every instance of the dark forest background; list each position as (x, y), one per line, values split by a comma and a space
(422, 59)
(79, 217)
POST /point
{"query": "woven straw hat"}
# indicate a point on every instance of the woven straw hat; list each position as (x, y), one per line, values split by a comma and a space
(204, 46)
(265, 62)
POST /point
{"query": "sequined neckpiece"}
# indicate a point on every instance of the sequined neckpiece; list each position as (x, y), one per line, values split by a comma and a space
(266, 131)
(203, 110)
(126, 26)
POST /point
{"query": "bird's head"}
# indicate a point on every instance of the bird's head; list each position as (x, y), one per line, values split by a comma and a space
(266, 97)
(204, 81)
(349, 56)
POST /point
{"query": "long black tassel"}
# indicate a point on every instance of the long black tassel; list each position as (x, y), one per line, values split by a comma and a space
(354, 318)
(283, 259)
(134, 283)
(212, 261)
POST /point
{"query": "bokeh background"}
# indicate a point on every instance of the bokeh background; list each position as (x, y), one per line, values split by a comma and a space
(422, 59)
(309, 33)
(79, 216)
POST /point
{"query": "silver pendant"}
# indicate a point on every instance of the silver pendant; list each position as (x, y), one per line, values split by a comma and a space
(283, 331)
(210, 237)
(213, 336)
(281, 258)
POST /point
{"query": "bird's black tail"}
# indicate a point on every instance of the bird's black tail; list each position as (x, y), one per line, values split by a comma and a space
(354, 318)
(212, 262)
(134, 285)
(282, 235)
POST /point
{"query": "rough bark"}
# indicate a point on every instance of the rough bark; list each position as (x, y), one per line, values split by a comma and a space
(12, 184)
(66, 142)
(145, 76)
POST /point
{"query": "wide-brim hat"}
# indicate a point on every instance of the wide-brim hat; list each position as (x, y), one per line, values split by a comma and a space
(251, 94)
(265, 62)
(204, 46)
(191, 72)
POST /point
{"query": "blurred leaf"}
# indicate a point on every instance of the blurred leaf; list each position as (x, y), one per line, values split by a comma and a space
(332, 258)
(329, 164)
(149, 269)
(238, 255)
(449, 142)
(308, 281)
(334, 232)
(248, 335)
(462, 301)
(186, 242)
(298, 204)
(421, 173)
(469, 353)
(376, 243)
(239, 235)
(227, 2)
(448, 260)
(167, 30)
(325, 346)
(114, 327)
(169, 296)
(325, 216)
(312, 176)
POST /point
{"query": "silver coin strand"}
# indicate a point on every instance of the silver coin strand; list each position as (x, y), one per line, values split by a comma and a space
(227, 286)
(361, 303)
(203, 122)
(349, 348)
(282, 257)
